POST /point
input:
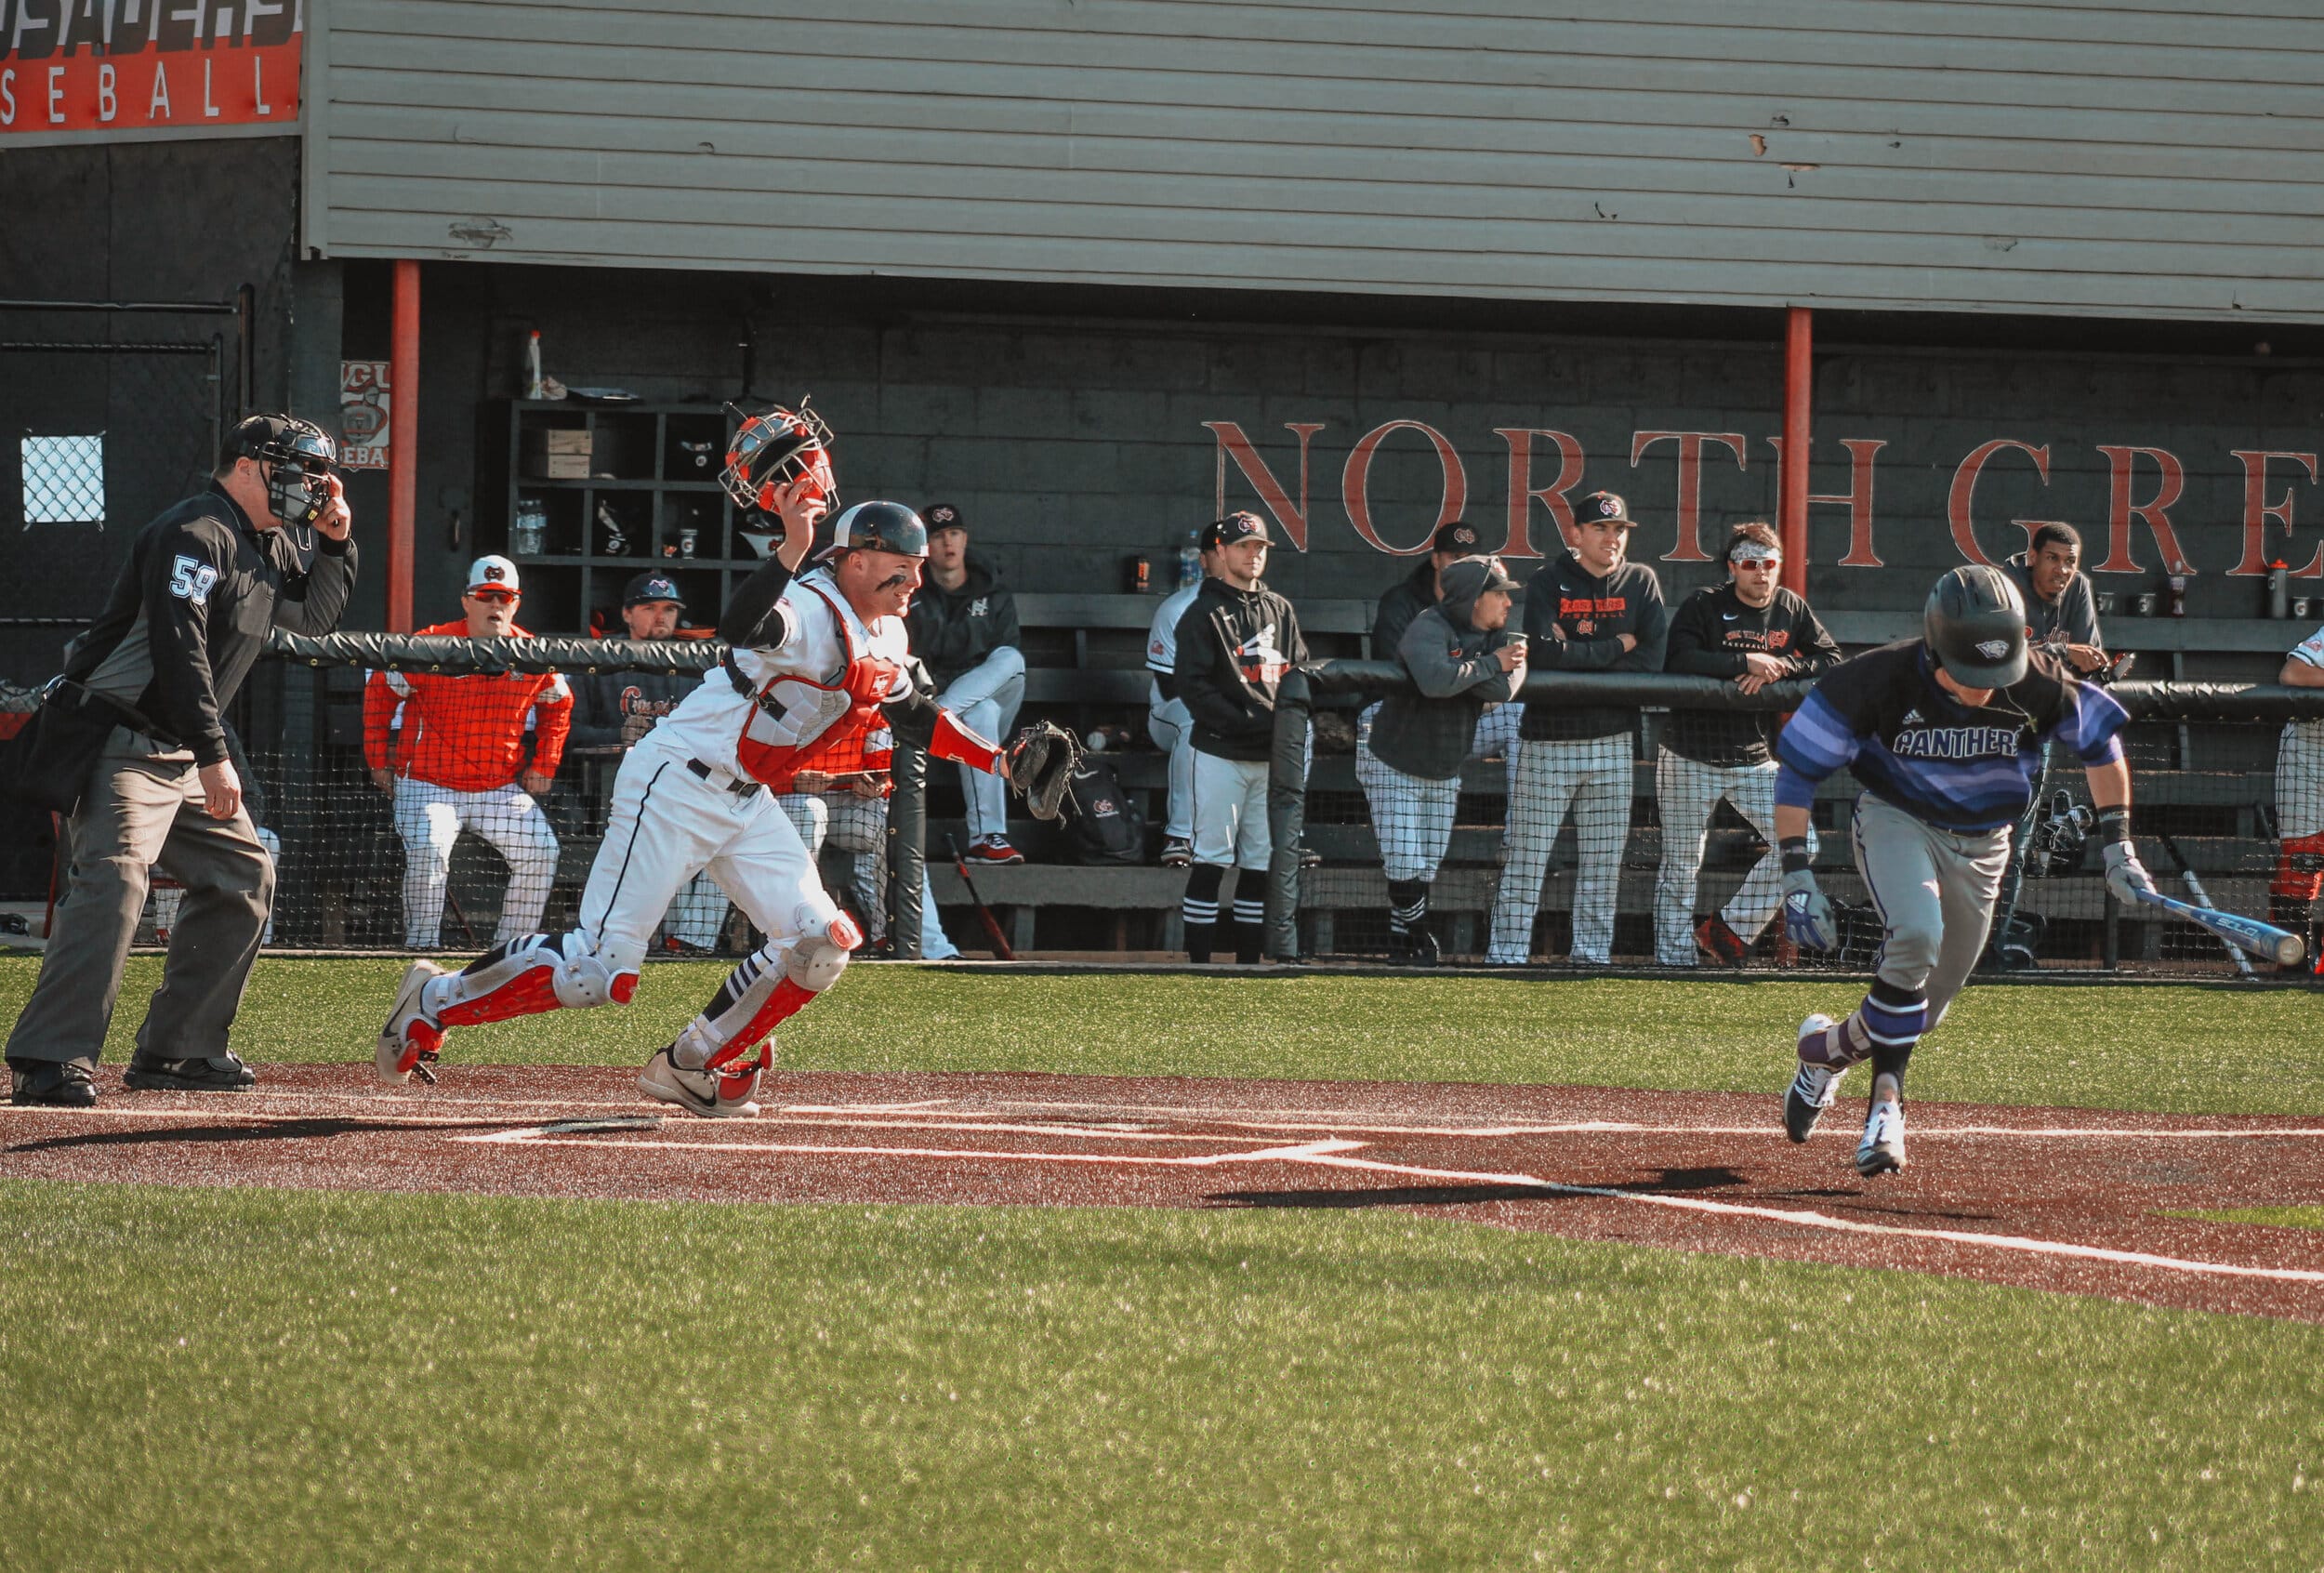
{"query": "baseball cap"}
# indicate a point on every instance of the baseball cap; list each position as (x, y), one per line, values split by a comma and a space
(492, 572)
(944, 516)
(1459, 537)
(650, 587)
(1604, 506)
(1232, 528)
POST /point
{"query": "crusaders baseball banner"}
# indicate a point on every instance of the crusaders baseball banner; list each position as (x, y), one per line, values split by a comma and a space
(102, 66)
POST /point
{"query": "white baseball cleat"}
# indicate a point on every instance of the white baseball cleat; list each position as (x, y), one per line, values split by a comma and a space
(410, 1040)
(706, 1095)
(1813, 1089)
(1882, 1149)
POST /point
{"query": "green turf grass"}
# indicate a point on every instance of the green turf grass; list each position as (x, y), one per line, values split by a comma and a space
(2163, 1048)
(2310, 1217)
(197, 1378)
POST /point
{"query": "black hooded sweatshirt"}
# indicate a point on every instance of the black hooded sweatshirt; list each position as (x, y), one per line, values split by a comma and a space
(1234, 647)
(1593, 613)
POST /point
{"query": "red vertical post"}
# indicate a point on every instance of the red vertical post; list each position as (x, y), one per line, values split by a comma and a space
(1799, 384)
(402, 445)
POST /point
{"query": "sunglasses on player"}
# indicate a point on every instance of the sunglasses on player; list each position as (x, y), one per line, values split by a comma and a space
(493, 597)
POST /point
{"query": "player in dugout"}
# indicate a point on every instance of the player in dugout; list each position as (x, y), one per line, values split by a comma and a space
(1946, 734)
(1750, 631)
(1462, 657)
(450, 751)
(817, 662)
(2299, 880)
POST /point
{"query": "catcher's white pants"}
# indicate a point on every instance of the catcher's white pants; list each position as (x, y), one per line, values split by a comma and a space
(2300, 780)
(985, 698)
(1592, 777)
(858, 825)
(430, 818)
(667, 825)
(1231, 812)
(1173, 729)
(1689, 793)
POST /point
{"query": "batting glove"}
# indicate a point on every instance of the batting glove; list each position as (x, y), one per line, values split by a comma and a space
(1807, 913)
(2126, 876)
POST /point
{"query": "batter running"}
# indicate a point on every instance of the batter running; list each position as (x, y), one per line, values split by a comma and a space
(1946, 733)
(816, 674)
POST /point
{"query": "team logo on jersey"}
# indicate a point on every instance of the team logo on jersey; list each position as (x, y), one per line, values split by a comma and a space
(1993, 649)
(1259, 659)
(976, 607)
(1955, 743)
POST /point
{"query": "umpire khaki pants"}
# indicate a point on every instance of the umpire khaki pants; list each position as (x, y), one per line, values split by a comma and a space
(143, 809)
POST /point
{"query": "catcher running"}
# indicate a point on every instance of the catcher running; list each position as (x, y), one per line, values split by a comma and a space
(816, 676)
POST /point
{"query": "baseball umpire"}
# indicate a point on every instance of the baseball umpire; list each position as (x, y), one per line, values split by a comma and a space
(1946, 733)
(187, 616)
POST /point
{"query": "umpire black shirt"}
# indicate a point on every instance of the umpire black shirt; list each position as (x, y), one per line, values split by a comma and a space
(191, 612)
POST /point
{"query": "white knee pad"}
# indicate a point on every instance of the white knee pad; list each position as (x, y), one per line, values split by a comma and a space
(813, 962)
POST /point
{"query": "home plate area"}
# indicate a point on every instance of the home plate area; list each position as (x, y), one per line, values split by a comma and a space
(2072, 1200)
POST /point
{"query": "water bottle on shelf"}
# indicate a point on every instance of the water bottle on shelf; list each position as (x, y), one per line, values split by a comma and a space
(528, 532)
(1189, 561)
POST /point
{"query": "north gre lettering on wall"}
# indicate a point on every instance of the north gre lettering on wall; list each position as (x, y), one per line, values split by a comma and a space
(2129, 529)
(100, 66)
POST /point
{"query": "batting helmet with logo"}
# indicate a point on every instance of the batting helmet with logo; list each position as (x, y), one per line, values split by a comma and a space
(1976, 626)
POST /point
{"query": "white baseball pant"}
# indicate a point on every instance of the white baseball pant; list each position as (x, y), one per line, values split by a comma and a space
(2300, 780)
(430, 818)
(1230, 815)
(986, 699)
(1592, 777)
(1173, 729)
(1688, 792)
(666, 826)
(1412, 818)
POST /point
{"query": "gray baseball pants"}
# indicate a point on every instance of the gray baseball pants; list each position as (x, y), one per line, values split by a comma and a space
(144, 809)
(1934, 890)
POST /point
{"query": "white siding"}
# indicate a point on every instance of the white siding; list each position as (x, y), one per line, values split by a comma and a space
(2125, 159)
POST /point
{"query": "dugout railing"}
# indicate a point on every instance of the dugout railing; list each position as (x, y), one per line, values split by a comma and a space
(2206, 758)
(2212, 775)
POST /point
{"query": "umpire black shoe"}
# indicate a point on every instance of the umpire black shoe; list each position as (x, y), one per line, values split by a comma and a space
(59, 1084)
(220, 1073)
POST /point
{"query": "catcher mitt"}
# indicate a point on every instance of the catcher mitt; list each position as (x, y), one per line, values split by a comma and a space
(1041, 759)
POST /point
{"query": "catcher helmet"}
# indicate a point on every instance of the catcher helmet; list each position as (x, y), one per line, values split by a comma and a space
(878, 527)
(1976, 628)
(772, 449)
(300, 457)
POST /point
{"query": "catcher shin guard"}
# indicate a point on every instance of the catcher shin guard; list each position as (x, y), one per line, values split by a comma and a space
(531, 974)
(765, 990)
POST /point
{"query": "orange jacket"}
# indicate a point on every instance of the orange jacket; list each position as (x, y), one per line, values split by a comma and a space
(466, 733)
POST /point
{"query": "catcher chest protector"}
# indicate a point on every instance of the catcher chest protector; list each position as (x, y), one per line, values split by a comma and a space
(1102, 821)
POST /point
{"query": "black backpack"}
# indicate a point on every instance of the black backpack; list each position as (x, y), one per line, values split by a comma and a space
(1102, 822)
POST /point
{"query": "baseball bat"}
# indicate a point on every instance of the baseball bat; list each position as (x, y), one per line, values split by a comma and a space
(2202, 899)
(983, 913)
(2262, 940)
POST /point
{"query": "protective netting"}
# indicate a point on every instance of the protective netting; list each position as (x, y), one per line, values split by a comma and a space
(1648, 843)
(443, 794)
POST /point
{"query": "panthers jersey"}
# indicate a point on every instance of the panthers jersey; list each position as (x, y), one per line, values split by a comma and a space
(1917, 748)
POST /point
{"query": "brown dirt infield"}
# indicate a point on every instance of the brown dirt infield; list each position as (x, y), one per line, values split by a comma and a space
(2064, 1199)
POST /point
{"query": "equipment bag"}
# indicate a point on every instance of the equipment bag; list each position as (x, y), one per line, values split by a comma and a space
(1102, 823)
(48, 764)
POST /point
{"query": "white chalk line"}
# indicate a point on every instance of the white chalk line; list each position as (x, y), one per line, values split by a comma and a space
(1338, 1154)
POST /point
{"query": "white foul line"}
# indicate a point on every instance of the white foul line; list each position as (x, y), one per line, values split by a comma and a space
(1335, 1154)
